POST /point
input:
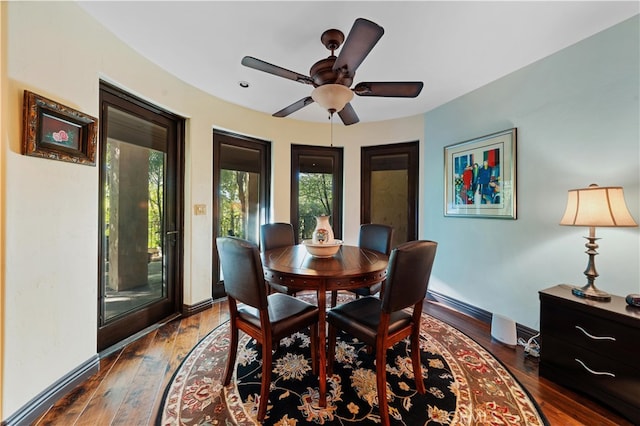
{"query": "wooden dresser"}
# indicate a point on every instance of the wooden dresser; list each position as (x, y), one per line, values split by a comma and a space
(592, 347)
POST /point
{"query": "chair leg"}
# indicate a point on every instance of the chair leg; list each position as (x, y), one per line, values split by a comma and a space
(381, 381)
(231, 359)
(334, 298)
(415, 359)
(266, 379)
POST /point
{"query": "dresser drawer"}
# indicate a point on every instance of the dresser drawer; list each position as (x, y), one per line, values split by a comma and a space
(589, 331)
(591, 372)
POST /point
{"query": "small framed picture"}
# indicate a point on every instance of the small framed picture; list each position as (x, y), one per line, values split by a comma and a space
(480, 177)
(57, 132)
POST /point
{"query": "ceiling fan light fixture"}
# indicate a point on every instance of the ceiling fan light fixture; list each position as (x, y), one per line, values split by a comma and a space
(332, 97)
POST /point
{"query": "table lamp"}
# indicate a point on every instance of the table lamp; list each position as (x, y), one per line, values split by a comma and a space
(595, 206)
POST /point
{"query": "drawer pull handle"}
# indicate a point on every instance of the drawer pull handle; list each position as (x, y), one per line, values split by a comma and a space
(597, 373)
(595, 337)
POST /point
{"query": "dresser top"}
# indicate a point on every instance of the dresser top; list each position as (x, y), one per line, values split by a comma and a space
(617, 305)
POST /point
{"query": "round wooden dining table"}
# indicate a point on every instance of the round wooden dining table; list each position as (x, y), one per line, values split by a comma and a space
(350, 268)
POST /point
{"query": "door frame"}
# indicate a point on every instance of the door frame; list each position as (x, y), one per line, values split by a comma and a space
(109, 334)
(337, 156)
(230, 138)
(412, 149)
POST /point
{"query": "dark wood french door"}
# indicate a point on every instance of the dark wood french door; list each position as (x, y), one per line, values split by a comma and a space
(241, 191)
(140, 224)
(389, 186)
(316, 188)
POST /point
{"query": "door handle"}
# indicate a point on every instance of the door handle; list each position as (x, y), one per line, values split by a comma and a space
(172, 237)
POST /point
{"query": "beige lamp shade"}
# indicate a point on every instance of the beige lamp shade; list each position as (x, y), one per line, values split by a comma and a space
(597, 206)
(332, 97)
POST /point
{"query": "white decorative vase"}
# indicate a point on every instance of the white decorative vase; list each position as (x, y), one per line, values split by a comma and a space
(322, 234)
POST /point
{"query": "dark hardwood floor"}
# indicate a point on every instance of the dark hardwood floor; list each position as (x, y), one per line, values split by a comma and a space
(130, 384)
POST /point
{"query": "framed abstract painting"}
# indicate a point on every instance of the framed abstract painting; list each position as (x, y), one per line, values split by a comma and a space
(480, 177)
(57, 132)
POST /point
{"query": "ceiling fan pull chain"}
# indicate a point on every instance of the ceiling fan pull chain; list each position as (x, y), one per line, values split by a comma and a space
(331, 125)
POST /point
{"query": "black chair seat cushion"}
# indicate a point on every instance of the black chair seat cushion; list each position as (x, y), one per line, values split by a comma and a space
(360, 318)
(287, 314)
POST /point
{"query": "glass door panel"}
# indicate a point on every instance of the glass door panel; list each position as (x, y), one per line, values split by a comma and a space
(133, 204)
(315, 193)
(239, 193)
(238, 205)
(389, 191)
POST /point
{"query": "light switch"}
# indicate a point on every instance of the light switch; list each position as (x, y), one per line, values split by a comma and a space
(199, 209)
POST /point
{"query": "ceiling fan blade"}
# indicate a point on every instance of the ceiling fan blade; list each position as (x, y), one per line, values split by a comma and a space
(348, 115)
(393, 89)
(294, 107)
(260, 65)
(363, 36)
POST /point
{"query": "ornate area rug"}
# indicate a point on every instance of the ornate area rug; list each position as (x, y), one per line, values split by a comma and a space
(465, 384)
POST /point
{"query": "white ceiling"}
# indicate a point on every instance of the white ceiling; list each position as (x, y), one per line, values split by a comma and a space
(454, 47)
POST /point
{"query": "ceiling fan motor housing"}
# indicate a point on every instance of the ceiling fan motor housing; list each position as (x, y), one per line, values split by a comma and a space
(322, 73)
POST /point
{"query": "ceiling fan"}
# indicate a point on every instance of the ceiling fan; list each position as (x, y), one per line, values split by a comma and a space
(332, 77)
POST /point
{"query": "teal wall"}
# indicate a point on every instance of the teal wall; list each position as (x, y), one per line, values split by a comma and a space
(577, 118)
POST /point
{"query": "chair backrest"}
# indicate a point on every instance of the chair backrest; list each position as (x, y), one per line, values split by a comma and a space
(408, 274)
(242, 271)
(274, 235)
(374, 236)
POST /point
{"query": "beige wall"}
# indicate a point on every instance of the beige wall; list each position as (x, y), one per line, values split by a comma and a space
(3, 125)
(50, 220)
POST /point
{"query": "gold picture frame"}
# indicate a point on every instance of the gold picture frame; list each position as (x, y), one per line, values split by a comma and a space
(58, 132)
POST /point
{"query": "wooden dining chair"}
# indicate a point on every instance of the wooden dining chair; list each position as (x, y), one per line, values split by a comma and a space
(382, 322)
(276, 235)
(266, 318)
(372, 236)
